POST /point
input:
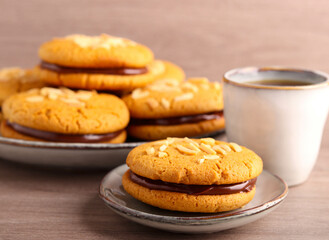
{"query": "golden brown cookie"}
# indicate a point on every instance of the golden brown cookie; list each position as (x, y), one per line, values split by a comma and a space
(192, 175)
(14, 80)
(102, 51)
(97, 63)
(64, 115)
(9, 132)
(155, 132)
(97, 81)
(172, 71)
(193, 108)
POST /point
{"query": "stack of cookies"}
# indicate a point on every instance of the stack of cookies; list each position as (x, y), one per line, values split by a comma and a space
(97, 83)
(101, 63)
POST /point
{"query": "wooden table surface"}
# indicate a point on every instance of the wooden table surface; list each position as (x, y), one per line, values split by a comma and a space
(206, 38)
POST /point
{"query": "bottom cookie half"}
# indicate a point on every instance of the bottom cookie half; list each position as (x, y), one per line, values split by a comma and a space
(8, 132)
(184, 202)
(155, 132)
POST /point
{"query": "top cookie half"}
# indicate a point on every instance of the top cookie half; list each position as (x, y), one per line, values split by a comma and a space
(195, 161)
(102, 51)
(169, 98)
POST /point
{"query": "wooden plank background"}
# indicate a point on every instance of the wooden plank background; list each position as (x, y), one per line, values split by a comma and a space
(206, 38)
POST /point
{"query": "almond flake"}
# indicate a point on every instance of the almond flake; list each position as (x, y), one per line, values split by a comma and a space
(162, 154)
(47, 90)
(84, 95)
(184, 97)
(236, 147)
(211, 157)
(35, 99)
(170, 140)
(186, 150)
(163, 147)
(225, 147)
(152, 103)
(192, 143)
(219, 149)
(210, 141)
(73, 102)
(201, 160)
(52, 96)
(139, 93)
(207, 148)
(190, 86)
(194, 147)
(150, 150)
(165, 103)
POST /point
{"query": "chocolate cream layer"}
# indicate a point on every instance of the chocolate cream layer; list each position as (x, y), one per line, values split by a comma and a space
(109, 71)
(178, 120)
(59, 137)
(223, 189)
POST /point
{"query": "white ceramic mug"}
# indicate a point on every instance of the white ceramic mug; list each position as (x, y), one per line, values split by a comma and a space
(283, 124)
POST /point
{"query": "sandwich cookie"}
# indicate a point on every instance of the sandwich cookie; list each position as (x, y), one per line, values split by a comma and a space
(14, 80)
(62, 115)
(172, 71)
(97, 62)
(192, 175)
(167, 108)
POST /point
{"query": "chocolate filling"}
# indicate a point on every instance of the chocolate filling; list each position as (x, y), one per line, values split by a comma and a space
(110, 71)
(58, 137)
(178, 120)
(223, 189)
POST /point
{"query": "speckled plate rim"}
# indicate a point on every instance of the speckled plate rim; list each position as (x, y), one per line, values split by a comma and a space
(92, 146)
(203, 220)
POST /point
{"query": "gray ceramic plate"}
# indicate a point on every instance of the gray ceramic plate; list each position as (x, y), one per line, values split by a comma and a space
(69, 155)
(271, 191)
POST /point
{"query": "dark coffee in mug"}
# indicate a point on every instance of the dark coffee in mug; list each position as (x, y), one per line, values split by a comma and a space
(279, 82)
